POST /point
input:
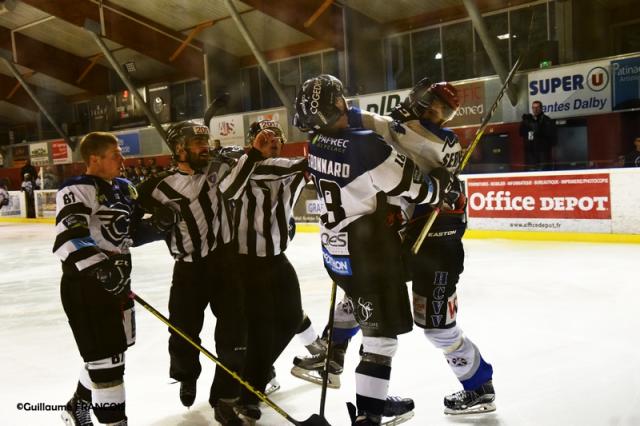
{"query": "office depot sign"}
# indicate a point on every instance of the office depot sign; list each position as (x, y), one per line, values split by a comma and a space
(559, 197)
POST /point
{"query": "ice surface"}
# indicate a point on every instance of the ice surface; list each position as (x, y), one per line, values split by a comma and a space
(558, 322)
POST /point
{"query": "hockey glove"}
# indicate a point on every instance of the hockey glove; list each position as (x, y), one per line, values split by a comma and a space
(441, 179)
(164, 218)
(292, 228)
(113, 274)
(454, 202)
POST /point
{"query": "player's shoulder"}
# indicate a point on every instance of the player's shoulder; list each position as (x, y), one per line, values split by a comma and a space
(78, 182)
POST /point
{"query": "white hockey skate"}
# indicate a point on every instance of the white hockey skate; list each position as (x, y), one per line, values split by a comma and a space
(477, 401)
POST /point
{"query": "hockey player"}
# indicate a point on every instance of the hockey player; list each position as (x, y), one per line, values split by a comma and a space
(415, 128)
(199, 225)
(356, 173)
(262, 214)
(96, 223)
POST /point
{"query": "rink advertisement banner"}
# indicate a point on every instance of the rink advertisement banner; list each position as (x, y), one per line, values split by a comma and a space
(382, 103)
(129, 143)
(583, 89)
(19, 155)
(60, 152)
(626, 83)
(39, 153)
(471, 96)
(229, 129)
(564, 202)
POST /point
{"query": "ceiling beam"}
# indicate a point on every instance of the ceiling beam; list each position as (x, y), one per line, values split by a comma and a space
(18, 97)
(446, 14)
(325, 27)
(56, 63)
(130, 30)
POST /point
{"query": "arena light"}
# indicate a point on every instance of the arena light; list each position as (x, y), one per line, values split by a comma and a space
(503, 36)
(438, 56)
(130, 66)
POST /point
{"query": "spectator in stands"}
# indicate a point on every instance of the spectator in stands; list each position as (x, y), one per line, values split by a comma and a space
(538, 132)
(4, 194)
(632, 159)
(28, 187)
(28, 168)
(217, 146)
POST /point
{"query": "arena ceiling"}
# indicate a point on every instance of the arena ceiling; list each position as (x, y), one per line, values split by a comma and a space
(166, 39)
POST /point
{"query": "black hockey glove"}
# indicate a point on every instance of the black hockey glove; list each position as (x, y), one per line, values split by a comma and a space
(113, 274)
(402, 113)
(292, 228)
(441, 179)
(164, 218)
(454, 201)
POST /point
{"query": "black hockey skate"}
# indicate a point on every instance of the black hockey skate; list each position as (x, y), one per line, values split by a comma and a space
(188, 392)
(399, 410)
(250, 413)
(396, 411)
(77, 412)
(273, 384)
(480, 400)
(311, 368)
(225, 414)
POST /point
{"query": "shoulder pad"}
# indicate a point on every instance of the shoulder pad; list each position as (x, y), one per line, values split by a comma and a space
(78, 180)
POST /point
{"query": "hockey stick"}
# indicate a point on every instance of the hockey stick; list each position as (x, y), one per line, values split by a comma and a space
(313, 420)
(327, 359)
(465, 159)
(215, 106)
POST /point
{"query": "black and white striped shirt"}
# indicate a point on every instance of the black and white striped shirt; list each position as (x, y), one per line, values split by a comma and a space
(206, 217)
(263, 210)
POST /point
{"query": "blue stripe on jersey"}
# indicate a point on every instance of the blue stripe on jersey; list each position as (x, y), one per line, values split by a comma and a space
(344, 156)
(79, 243)
(338, 264)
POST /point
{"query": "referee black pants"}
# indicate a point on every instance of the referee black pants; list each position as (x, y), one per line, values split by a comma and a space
(274, 313)
(196, 285)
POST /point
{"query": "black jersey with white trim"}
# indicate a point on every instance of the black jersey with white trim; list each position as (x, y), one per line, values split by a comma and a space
(351, 167)
(94, 219)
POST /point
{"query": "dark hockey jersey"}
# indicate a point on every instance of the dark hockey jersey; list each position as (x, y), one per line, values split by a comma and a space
(352, 167)
(95, 219)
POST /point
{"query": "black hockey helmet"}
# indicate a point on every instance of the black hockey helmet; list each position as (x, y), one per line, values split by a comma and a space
(257, 126)
(423, 94)
(316, 103)
(178, 134)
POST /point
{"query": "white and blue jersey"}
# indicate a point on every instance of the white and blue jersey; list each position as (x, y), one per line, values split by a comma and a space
(94, 219)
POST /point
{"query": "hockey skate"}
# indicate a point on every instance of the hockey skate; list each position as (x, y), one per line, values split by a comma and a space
(77, 412)
(397, 410)
(188, 392)
(225, 414)
(311, 368)
(249, 413)
(480, 400)
(273, 384)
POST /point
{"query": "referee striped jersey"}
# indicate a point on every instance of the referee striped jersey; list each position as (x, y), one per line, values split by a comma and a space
(263, 210)
(206, 217)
